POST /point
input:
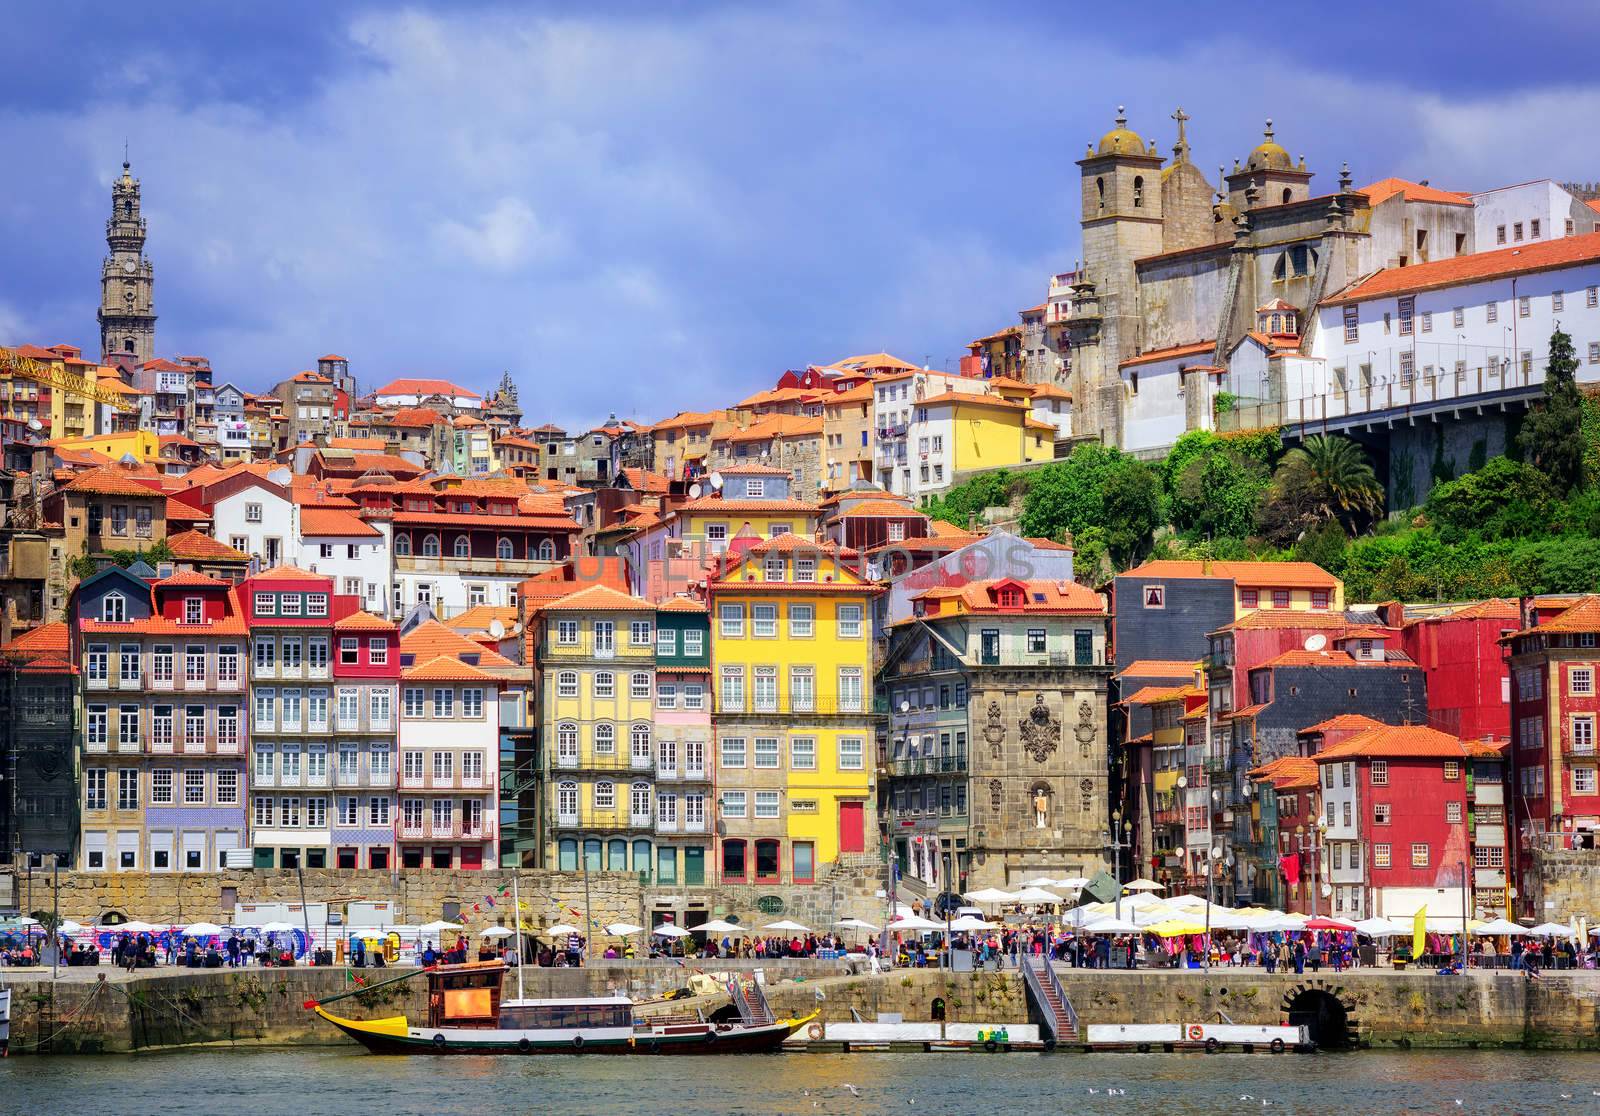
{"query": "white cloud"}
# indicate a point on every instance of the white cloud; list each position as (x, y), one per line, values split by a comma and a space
(504, 238)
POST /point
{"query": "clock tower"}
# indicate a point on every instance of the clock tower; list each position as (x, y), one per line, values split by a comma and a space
(127, 282)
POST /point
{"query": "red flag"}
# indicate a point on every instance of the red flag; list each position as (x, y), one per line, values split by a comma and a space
(1290, 866)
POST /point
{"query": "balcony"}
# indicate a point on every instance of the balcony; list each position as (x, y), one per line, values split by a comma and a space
(643, 765)
(1578, 749)
(686, 775)
(450, 831)
(1216, 765)
(477, 566)
(591, 819)
(444, 783)
(929, 765)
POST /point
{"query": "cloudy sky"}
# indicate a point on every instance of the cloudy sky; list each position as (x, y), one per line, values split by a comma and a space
(643, 207)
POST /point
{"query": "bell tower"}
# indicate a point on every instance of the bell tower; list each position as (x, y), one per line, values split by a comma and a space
(127, 281)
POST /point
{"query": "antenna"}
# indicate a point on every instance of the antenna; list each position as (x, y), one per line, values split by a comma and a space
(694, 490)
(716, 480)
(497, 628)
(1316, 641)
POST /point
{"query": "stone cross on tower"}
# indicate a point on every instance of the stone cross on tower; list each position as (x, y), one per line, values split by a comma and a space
(1180, 150)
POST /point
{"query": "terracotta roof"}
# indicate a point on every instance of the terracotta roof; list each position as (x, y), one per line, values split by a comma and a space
(445, 668)
(1545, 255)
(47, 639)
(598, 598)
(1194, 348)
(179, 512)
(1367, 631)
(50, 664)
(1303, 658)
(112, 480)
(1249, 575)
(1495, 608)
(883, 507)
(375, 445)
(1401, 741)
(861, 393)
(191, 578)
(430, 639)
(1158, 668)
(479, 617)
(1386, 188)
(972, 398)
(1277, 618)
(681, 604)
(1344, 722)
(784, 395)
(678, 421)
(363, 621)
(425, 387)
(1151, 695)
(871, 360)
(646, 481)
(1289, 771)
(1059, 596)
(289, 573)
(324, 522)
(414, 417)
(192, 546)
(485, 520)
(1049, 391)
(735, 507)
(777, 426)
(753, 469)
(1584, 616)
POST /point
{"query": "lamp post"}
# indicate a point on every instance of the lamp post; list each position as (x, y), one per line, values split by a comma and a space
(1464, 893)
(1309, 846)
(1119, 838)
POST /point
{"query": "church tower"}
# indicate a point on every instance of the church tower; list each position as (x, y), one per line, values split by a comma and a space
(127, 282)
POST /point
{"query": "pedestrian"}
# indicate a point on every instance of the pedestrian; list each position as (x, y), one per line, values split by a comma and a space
(1299, 958)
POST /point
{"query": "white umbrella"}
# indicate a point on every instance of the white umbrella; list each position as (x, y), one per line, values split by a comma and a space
(1143, 885)
(136, 927)
(968, 923)
(1497, 927)
(1041, 881)
(914, 923)
(560, 930)
(989, 895)
(1552, 930)
(787, 924)
(720, 926)
(1073, 883)
(70, 927)
(202, 930)
(1381, 928)
(1035, 895)
(24, 920)
(622, 929)
(497, 932)
(277, 928)
(1110, 926)
(857, 924)
(437, 927)
(667, 930)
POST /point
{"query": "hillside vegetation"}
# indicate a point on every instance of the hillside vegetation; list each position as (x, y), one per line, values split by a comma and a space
(1525, 523)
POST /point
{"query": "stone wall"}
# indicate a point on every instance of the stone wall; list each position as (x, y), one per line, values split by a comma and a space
(1566, 884)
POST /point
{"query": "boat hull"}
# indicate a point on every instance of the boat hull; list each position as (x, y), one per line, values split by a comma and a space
(397, 1036)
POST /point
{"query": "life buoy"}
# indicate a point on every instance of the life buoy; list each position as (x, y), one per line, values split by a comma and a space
(814, 1031)
(1212, 1046)
(1196, 1033)
(438, 1042)
(577, 1042)
(711, 1034)
(991, 1046)
(1049, 1044)
(1277, 1046)
(524, 1045)
(1144, 1048)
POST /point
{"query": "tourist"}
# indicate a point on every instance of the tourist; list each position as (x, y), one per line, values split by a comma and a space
(1299, 958)
(358, 953)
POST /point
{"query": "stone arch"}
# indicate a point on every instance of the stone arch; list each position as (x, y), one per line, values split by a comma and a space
(936, 1009)
(1328, 1010)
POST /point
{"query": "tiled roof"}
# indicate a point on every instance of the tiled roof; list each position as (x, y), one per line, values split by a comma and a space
(373, 445)
(484, 520)
(1279, 618)
(1158, 668)
(1288, 772)
(363, 621)
(1194, 348)
(597, 598)
(47, 639)
(735, 507)
(1150, 695)
(1495, 608)
(1565, 251)
(1399, 741)
(681, 604)
(784, 395)
(791, 543)
(50, 664)
(479, 617)
(1059, 597)
(1584, 616)
(882, 507)
(683, 419)
(1302, 658)
(972, 399)
(112, 480)
(753, 469)
(872, 360)
(179, 512)
(192, 546)
(777, 426)
(445, 668)
(415, 417)
(1249, 575)
(1050, 391)
(1386, 188)
(191, 579)
(325, 522)
(425, 387)
(430, 639)
(645, 481)
(1344, 722)
(288, 573)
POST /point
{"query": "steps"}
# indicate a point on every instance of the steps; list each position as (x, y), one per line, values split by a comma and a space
(1045, 990)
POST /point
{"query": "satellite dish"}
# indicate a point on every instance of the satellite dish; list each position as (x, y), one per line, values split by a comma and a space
(497, 629)
(716, 480)
(694, 490)
(35, 425)
(1183, 781)
(1316, 641)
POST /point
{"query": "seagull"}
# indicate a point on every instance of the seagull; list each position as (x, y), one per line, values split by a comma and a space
(854, 1092)
(1093, 1090)
(1458, 1102)
(1566, 1096)
(1246, 1096)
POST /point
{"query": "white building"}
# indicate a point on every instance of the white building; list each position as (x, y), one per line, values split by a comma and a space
(894, 402)
(254, 513)
(351, 550)
(1154, 388)
(413, 392)
(1528, 213)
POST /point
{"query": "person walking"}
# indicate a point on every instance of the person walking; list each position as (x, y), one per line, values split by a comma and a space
(1299, 958)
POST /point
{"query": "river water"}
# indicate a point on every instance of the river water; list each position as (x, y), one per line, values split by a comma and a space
(329, 1081)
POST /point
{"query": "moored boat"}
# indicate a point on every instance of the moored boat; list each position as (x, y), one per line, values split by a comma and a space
(466, 1015)
(5, 1021)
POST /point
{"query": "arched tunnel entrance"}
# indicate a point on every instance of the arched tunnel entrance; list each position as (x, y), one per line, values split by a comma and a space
(1325, 1016)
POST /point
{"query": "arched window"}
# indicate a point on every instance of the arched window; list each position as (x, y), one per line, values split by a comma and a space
(605, 739)
(1287, 195)
(114, 608)
(1138, 191)
(127, 345)
(127, 208)
(639, 809)
(402, 544)
(641, 853)
(616, 855)
(605, 795)
(641, 749)
(547, 550)
(1100, 190)
(591, 854)
(463, 547)
(430, 546)
(567, 803)
(566, 744)
(504, 550)
(1280, 270)
(568, 859)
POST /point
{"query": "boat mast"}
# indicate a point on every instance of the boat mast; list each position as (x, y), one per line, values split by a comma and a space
(516, 919)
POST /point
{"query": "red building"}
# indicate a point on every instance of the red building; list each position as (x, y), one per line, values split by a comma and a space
(1458, 648)
(1398, 827)
(1554, 707)
(366, 676)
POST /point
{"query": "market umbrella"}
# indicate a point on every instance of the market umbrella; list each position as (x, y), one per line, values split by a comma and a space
(989, 895)
(497, 932)
(560, 930)
(1497, 927)
(1041, 881)
(1143, 885)
(277, 928)
(70, 927)
(24, 920)
(439, 926)
(787, 924)
(968, 923)
(1329, 924)
(857, 924)
(137, 927)
(622, 929)
(1110, 926)
(1035, 895)
(1073, 883)
(1552, 930)
(1080, 916)
(1381, 928)
(722, 926)
(202, 930)
(668, 930)
(915, 923)
(1173, 927)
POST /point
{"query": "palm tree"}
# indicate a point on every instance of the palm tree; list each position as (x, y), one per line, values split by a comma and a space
(1329, 479)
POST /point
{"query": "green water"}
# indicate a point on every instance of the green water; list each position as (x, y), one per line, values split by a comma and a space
(319, 1082)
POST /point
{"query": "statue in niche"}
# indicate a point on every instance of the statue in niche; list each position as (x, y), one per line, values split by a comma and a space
(1041, 806)
(1086, 789)
(1040, 731)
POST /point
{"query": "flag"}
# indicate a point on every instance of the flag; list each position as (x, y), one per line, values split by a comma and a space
(1419, 932)
(1290, 866)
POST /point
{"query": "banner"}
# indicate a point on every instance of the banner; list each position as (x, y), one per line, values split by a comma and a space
(1419, 933)
(1290, 866)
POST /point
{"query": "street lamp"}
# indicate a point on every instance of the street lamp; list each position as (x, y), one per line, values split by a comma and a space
(1116, 841)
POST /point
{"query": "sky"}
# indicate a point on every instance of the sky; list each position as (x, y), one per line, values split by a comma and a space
(640, 208)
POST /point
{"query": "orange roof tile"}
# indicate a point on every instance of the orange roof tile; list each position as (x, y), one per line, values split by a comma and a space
(753, 469)
(1584, 616)
(1279, 618)
(882, 507)
(415, 417)
(288, 573)
(179, 512)
(479, 617)
(375, 445)
(191, 579)
(445, 668)
(1158, 668)
(430, 639)
(972, 399)
(681, 604)
(872, 360)
(1386, 188)
(1152, 695)
(684, 419)
(425, 387)
(1397, 741)
(646, 481)
(325, 522)
(1194, 348)
(113, 480)
(363, 621)
(735, 507)
(598, 598)
(1303, 658)
(1059, 596)
(192, 546)
(777, 426)
(47, 639)
(1547, 255)
(1344, 722)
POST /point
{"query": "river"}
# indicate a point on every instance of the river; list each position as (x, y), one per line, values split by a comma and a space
(323, 1082)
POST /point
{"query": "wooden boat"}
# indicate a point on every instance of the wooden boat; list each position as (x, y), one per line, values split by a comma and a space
(466, 1015)
(5, 1021)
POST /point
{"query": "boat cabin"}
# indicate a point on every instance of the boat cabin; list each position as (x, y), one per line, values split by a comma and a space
(599, 1011)
(465, 995)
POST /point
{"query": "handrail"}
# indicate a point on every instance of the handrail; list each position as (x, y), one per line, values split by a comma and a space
(1034, 973)
(1061, 992)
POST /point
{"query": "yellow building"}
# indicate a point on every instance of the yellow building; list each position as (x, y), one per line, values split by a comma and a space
(976, 431)
(596, 663)
(141, 445)
(792, 717)
(847, 441)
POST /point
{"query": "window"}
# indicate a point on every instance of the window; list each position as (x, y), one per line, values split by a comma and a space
(666, 696)
(1580, 682)
(1249, 598)
(194, 787)
(1452, 813)
(693, 643)
(127, 790)
(161, 664)
(1419, 854)
(666, 641)
(1591, 297)
(504, 550)
(850, 690)
(227, 664)
(1583, 735)
(605, 684)
(161, 788)
(805, 569)
(605, 637)
(444, 702)
(472, 704)
(128, 664)
(766, 689)
(316, 653)
(1352, 324)
(1558, 301)
(413, 699)
(605, 739)
(1382, 856)
(430, 546)
(732, 751)
(1524, 306)
(1407, 312)
(1583, 780)
(193, 610)
(773, 568)
(849, 621)
(1380, 773)
(766, 804)
(764, 621)
(1491, 312)
(1380, 813)
(639, 685)
(1458, 316)
(767, 752)
(802, 689)
(227, 788)
(161, 725)
(1452, 770)
(1594, 352)
(1426, 321)
(252, 513)
(94, 788)
(694, 696)
(1516, 230)
(732, 689)
(852, 753)
(1036, 641)
(605, 796)
(1280, 598)
(639, 633)
(567, 633)
(802, 620)
(289, 604)
(803, 754)
(730, 618)
(443, 768)
(378, 650)
(566, 684)
(1533, 229)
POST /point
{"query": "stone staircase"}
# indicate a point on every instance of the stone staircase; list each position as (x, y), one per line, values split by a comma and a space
(1050, 999)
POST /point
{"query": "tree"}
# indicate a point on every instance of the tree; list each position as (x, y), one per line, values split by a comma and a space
(1213, 489)
(1552, 433)
(965, 502)
(1097, 486)
(1504, 499)
(1132, 498)
(1326, 480)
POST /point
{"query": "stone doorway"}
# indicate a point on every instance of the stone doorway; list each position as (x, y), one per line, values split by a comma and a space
(1326, 1014)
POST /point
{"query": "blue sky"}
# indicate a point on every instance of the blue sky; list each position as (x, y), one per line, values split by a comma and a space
(648, 207)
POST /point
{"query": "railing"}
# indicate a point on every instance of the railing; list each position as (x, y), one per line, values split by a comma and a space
(1216, 765)
(1045, 990)
(928, 765)
(452, 830)
(644, 765)
(456, 781)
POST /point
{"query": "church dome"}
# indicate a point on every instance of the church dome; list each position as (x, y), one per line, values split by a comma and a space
(1120, 140)
(1269, 154)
